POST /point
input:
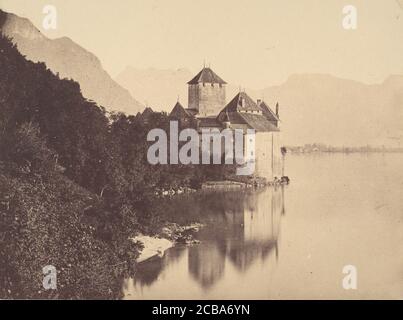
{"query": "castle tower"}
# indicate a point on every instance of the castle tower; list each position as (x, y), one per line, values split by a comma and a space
(207, 93)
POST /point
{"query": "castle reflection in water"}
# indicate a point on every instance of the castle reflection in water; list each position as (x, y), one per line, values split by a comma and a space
(241, 229)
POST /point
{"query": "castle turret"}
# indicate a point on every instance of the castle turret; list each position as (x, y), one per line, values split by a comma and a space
(207, 93)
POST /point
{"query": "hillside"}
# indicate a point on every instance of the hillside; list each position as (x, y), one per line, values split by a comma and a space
(69, 60)
(75, 185)
(55, 151)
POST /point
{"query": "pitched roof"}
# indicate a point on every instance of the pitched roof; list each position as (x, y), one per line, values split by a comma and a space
(258, 122)
(235, 111)
(147, 111)
(209, 122)
(179, 112)
(242, 102)
(146, 115)
(233, 117)
(208, 76)
(251, 121)
(267, 112)
(225, 117)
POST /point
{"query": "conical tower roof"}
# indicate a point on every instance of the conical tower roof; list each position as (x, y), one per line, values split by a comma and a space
(206, 76)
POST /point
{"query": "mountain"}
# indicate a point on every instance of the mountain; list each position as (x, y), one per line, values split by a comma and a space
(326, 109)
(69, 60)
(314, 108)
(156, 88)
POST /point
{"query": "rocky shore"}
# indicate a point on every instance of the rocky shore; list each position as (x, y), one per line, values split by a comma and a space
(255, 182)
(170, 235)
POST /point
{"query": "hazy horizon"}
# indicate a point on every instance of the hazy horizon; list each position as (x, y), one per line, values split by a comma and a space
(251, 44)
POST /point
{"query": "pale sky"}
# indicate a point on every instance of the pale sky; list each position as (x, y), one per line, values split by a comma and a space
(253, 43)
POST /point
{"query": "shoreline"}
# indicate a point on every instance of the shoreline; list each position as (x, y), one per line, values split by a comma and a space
(170, 235)
(152, 247)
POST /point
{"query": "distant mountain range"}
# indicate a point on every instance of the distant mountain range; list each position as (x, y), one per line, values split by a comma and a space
(339, 112)
(314, 108)
(159, 89)
(69, 60)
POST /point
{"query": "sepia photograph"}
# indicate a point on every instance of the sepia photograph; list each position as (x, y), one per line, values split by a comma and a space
(213, 150)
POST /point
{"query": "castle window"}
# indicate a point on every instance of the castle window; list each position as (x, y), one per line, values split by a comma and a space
(220, 85)
(212, 84)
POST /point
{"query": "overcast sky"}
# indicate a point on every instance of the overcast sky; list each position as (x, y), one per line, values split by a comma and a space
(253, 43)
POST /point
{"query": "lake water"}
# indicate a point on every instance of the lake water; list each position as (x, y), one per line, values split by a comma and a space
(290, 242)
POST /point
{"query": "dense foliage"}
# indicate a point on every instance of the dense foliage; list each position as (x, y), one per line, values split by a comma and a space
(74, 184)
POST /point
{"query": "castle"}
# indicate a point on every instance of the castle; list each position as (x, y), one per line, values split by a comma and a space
(207, 109)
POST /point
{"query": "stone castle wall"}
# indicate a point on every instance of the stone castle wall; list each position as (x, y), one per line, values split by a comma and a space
(268, 155)
(209, 99)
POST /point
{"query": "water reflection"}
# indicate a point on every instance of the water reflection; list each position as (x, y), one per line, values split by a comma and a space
(206, 264)
(148, 271)
(241, 229)
(338, 210)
